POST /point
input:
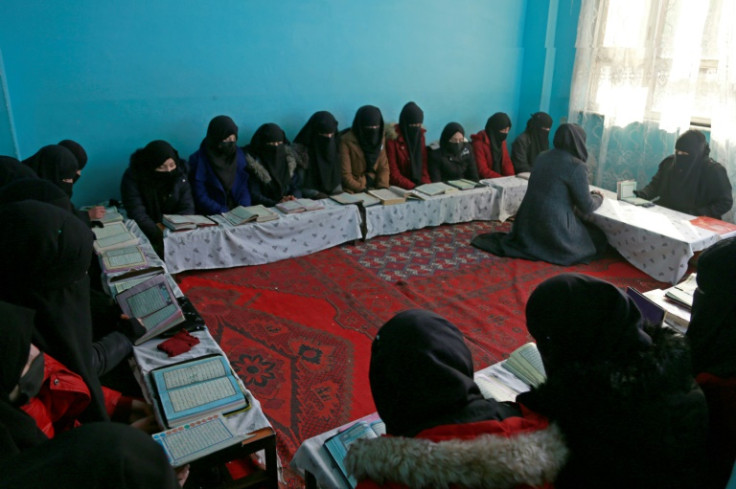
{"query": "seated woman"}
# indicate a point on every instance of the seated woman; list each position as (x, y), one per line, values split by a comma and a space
(690, 181)
(620, 389)
(362, 155)
(153, 185)
(712, 337)
(40, 443)
(406, 149)
(317, 145)
(272, 165)
(442, 430)
(548, 226)
(96, 212)
(217, 170)
(11, 169)
(451, 158)
(44, 265)
(531, 142)
(489, 147)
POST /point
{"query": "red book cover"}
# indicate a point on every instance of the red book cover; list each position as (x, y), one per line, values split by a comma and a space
(725, 229)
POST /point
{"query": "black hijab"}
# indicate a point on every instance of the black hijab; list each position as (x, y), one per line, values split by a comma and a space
(79, 153)
(448, 148)
(16, 329)
(35, 189)
(537, 127)
(681, 189)
(44, 264)
(494, 125)
(272, 157)
(421, 376)
(155, 186)
(712, 330)
(221, 155)
(55, 163)
(370, 140)
(412, 114)
(11, 169)
(324, 174)
(571, 138)
(576, 318)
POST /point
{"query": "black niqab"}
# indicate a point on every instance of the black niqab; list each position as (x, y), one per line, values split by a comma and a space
(571, 138)
(421, 376)
(222, 155)
(155, 186)
(712, 330)
(412, 114)
(79, 153)
(538, 127)
(273, 157)
(369, 140)
(494, 125)
(448, 148)
(44, 264)
(680, 190)
(11, 169)
(55, 163)
(324, 174)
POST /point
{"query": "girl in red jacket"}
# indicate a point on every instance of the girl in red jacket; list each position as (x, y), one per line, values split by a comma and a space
(490, 150)
(406, 149)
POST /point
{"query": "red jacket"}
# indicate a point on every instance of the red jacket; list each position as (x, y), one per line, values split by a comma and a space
(398, 158)
(526, 450)
(62, 398)
(484, 158)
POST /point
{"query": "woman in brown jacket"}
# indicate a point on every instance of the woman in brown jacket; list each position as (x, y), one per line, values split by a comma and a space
(362, 152)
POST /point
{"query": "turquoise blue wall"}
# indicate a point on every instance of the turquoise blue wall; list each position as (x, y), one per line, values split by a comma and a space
(115, 75)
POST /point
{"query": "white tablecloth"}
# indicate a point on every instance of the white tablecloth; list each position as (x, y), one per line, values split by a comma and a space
(511, 192)
(291, 235)
(462, 206)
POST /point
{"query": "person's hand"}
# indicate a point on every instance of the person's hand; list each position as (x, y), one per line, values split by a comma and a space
(181, 474)
(96, 213)
(287, 198)
(147, 425)
(131, 327)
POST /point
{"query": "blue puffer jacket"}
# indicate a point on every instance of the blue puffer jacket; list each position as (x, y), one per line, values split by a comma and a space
(209, 194)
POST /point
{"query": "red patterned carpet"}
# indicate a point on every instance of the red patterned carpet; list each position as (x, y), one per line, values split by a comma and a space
(299, 331)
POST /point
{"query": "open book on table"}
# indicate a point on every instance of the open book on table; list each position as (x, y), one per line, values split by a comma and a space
(437, 188)
(299, 205)
(153, 303)
(122, 259)
(464, 184)
(362, 198)
(194, 389)
(387, 196)
(254, 213)
(177, 222)
(112, 236)
(337, 446)
(526, 363)
(197, 439)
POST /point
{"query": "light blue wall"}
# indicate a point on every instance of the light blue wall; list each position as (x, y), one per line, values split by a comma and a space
(115, 75)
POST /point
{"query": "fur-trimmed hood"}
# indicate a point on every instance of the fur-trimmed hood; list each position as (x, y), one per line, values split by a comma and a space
(485, 462)
(255, 166)
(392, 131)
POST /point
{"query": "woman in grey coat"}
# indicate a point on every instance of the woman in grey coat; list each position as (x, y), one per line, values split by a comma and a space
(548, 225)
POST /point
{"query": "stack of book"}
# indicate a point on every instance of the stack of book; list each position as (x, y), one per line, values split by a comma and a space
(254, 213)
(361, 198)
(177, 222)
(299, 205)
(112, 236)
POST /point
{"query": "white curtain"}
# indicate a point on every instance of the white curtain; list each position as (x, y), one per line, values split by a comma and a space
(645, 71)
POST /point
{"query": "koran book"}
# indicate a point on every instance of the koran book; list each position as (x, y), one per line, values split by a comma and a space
(684, 292)
(625, 192)
(337, 445)
(197, 439)
(526, 363)
(408, 194)
(387, 196)
(254, 213)
(154, 304)
(437, 188)
(676, 316)
(360, 198)
(177, 222)
(299, 205)
(464, 184)
(193, 389)
(112, 236)
(123, 259)
(725, 229)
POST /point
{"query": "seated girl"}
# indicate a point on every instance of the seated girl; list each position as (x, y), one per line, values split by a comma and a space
(362, 155)
(406, 149)
(317, 145)
(442, 430)
(549, 226)
(153, 185)
(217, 170)
(272, 165)
(712, 338)
(620, 389)
(452, 158)
(531, 142)
(690, 181)
(489, 147)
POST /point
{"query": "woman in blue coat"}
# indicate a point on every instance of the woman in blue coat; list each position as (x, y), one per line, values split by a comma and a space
(217, 170)
(549, 226)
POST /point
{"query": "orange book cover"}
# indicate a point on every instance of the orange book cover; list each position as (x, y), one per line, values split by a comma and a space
(723, 228)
